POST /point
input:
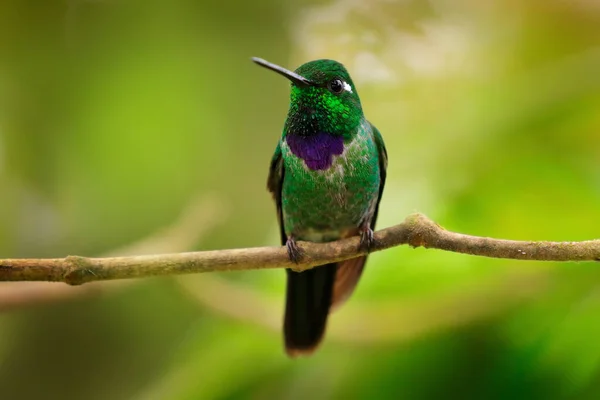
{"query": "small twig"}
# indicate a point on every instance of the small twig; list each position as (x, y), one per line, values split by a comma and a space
(417, 231)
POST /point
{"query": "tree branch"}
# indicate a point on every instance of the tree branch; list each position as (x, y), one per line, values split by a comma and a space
(416, 231)
(198, 217)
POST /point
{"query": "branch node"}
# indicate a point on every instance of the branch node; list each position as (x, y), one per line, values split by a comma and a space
(78, 270)
(421, 230)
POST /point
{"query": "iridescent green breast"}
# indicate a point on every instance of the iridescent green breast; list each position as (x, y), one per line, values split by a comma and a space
(319, 205)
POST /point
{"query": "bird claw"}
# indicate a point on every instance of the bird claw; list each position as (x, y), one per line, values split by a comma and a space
(293, 249)
(366, 239)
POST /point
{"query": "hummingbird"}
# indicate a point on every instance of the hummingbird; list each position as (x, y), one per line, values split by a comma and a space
(326, 177)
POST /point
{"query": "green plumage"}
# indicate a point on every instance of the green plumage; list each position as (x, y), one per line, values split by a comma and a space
(327, 177)
(319, 206)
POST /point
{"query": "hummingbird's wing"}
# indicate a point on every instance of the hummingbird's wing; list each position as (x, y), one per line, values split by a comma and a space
(274, 183)
(383, 162)
(349, 271)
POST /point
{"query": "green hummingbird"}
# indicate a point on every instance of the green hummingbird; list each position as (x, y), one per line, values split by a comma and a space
(327, 177)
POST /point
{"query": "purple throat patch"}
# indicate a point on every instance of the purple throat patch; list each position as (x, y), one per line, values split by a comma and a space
(318, 150)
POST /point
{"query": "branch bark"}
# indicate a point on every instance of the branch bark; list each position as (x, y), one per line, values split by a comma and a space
(416, 231)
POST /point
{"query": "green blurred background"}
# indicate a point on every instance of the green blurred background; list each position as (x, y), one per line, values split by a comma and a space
(143, 127)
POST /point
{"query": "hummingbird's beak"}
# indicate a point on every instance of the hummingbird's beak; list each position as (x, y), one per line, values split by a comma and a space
(292, 76)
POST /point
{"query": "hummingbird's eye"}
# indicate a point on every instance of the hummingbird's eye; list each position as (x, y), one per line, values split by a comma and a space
(337, 86)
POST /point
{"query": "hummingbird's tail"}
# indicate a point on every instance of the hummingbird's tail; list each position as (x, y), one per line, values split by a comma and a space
(308, 300)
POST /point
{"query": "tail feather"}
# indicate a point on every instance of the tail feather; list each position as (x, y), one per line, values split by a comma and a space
(309, 298)
(346, 278)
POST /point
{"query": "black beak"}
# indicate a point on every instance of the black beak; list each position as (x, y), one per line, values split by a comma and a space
(292, 76)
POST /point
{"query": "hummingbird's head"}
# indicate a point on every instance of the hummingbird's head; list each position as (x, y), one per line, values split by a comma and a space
(323, 98)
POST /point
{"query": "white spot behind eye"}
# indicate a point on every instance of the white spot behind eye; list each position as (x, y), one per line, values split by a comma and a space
(347, 87)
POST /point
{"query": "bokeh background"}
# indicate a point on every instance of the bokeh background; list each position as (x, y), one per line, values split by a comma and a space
(138, 127)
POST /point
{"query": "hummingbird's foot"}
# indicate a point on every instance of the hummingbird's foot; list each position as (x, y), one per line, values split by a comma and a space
(366, 238)
(293, 249)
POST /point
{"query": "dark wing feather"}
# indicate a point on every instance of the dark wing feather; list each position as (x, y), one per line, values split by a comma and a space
(349, 271)
(383, 162)
(274, 183)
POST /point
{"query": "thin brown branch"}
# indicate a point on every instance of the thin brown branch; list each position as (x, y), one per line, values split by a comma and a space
(417, 231)
(198, 218)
